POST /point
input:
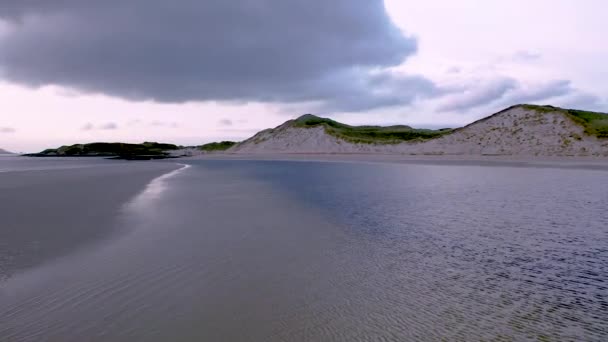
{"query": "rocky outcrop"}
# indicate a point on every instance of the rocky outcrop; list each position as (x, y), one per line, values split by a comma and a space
(519, 130)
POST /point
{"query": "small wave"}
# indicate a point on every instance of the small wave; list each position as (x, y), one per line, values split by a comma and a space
(154, 189)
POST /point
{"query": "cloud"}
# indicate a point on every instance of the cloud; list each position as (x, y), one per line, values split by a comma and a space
(478, 95)
(225, 122)
(525, 56)
(453, 70)
(538, 92)
(107, 126)
(363, 93)
(157, 123)
(584, 101)
(7, 130)
(328, 53)
(154, 123)
(504, 92)
(88, 127)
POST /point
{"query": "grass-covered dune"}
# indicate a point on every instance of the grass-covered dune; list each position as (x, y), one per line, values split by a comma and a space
(217, 146)
(146, 150)
(369, 134)
(526, 130)
(595, 123)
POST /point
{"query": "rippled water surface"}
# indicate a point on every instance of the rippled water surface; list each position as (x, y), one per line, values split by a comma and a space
(306, 251)
(11, 163)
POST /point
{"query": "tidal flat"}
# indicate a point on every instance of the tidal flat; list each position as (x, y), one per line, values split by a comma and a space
(277, 250)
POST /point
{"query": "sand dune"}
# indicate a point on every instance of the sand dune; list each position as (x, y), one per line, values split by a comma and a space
(517, 131)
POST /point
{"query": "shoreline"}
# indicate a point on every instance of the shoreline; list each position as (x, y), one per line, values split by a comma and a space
(599, 163)
(54, 212)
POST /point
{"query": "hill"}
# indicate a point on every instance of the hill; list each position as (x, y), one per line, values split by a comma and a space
(525, 130)
(367, 134)
(5, 151)
(217, 146)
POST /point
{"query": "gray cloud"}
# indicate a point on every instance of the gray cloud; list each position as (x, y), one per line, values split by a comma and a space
(504, 92)
(154, 123)
(282, 51)
(7, 130)
(225, 122)
(88, 127)
(585, 101)
(526, 56)
(107, 126)
(479, 95)
(538, 92)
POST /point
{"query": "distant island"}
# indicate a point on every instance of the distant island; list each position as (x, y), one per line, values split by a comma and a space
(520, 130)
(144, 151)
(2, 151)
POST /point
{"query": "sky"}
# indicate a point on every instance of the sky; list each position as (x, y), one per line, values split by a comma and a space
(191, 72)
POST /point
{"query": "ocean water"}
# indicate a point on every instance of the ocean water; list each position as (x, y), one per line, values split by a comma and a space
(314, 251)
(12, 163)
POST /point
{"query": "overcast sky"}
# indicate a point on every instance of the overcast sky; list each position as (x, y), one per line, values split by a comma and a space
(194, 71)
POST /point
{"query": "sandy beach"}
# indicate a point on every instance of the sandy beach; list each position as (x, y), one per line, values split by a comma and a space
(49, 213)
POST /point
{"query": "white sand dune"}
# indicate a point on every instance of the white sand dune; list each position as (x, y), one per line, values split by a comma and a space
(516, 131)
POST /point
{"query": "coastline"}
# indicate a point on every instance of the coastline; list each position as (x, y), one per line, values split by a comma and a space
(50, 213)
(599, 163)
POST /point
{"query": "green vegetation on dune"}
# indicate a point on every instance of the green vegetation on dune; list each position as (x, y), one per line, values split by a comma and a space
(217, 146)
(595, 123)
(147, 150)
(369, 134)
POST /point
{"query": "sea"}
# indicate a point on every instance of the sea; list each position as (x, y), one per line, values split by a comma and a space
(236, 250)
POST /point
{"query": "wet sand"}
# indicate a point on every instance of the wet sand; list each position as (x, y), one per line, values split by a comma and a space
(49, 213)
